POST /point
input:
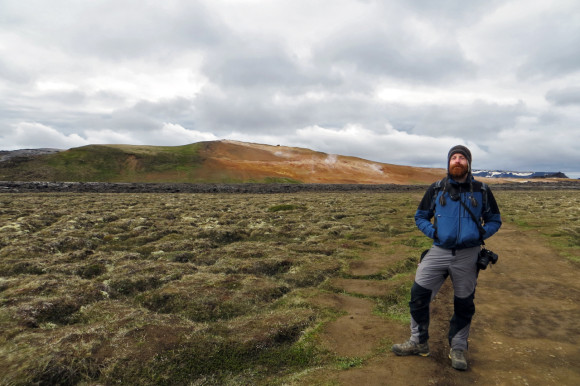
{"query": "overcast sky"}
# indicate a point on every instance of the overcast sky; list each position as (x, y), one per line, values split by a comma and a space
(396, 81)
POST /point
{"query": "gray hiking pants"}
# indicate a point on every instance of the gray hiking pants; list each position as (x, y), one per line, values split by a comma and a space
(461, 266)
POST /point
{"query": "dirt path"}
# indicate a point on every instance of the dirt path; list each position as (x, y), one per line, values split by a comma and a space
(526, 329)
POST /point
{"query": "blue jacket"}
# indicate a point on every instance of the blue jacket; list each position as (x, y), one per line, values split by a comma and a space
(452, 226)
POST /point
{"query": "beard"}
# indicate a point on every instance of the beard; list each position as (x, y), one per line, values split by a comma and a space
(458, 171)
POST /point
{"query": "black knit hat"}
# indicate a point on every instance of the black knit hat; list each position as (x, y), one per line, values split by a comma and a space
(461, 150)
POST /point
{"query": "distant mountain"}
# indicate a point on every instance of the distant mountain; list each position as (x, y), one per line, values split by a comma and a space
(526, 175)
(204, 162)
(6, 155)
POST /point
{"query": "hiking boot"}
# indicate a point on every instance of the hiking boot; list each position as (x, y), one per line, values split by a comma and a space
(458, 361)
(411, 348)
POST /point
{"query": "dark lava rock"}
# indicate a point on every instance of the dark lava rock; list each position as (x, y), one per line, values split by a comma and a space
(108, 187)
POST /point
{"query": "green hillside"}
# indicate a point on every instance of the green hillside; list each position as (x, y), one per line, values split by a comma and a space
(108, 163)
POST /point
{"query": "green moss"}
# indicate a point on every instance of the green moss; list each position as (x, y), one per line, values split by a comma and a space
(345, 363)
(395, 305)
(284, 207)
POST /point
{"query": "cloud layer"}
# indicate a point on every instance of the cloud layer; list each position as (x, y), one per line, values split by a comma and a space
(398, 82)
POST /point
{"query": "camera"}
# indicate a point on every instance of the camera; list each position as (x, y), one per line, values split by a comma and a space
(485, 257)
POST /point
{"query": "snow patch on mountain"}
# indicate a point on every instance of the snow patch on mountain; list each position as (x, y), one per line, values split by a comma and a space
(513, 174)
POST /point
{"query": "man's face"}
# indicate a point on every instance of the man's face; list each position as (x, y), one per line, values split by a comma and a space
(458, 166)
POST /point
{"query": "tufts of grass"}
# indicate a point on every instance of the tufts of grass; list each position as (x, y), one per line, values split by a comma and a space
(16, 268)
(554, 214)
(224, 236)
(417, 242)
(345, 363)
(395, 304)
(217, 361)
(92, 270)
(284, 207)
(311, 274)
(212, 297)
(52, 306)
(406, 265)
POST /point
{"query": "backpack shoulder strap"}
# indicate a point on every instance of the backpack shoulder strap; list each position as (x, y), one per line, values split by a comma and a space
(440, 183)
(483, 188)
(437, 187)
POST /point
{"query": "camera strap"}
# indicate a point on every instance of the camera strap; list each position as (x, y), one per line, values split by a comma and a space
(479, 226)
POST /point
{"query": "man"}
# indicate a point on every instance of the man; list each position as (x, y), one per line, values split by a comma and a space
(457, 240)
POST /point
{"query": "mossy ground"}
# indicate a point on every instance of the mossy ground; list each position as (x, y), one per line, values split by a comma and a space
(554, 214)
(203, 288)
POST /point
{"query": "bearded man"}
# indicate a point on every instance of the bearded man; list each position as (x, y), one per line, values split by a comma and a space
(464, 214)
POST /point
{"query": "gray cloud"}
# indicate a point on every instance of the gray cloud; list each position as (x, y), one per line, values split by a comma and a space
(13, 75)
(113, 30)
(476, 121)
(460, 12)
(552, 49)
(396, 53)
(398, 81)
(564, 97)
